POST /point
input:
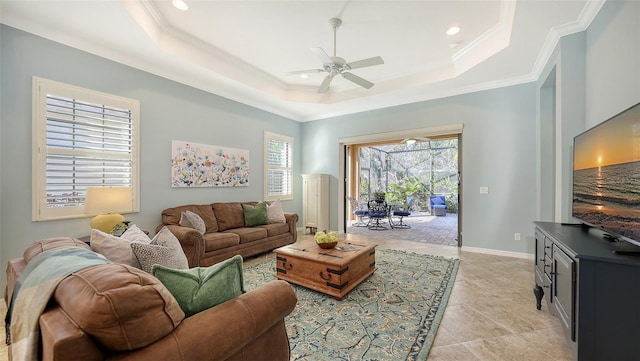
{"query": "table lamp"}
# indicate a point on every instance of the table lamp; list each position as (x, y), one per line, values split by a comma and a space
(107, 203)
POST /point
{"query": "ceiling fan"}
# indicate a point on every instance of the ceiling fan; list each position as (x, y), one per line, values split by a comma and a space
(335, 65)
(413, 140)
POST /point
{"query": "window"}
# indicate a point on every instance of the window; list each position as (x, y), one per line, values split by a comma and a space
(82, 138)
(278, 153)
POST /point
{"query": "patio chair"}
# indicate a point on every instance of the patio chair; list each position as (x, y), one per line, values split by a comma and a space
(359, 212)
(377, 212)
(438, 206)
(401, 213)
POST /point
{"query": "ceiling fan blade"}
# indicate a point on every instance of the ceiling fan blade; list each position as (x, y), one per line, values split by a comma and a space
(322, 55)
(365, 62)
(309, 71)
(324, 87)
(358, 80)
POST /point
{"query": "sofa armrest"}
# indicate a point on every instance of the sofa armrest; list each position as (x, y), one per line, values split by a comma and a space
(191, 241)
(62, 340)
(292, 221)
(251, 324)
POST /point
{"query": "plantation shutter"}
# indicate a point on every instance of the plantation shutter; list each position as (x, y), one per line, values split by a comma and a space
(89, 141)
(279, 166)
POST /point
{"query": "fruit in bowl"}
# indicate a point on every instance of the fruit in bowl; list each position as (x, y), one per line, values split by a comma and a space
(326, 240)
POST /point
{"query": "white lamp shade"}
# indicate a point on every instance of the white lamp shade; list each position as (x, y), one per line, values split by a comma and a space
(103, 200)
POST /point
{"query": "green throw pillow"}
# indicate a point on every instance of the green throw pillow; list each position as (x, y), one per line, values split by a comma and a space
(255, 215)
(201, 288)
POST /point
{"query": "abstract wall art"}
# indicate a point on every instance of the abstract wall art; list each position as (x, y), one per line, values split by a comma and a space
(202, 165)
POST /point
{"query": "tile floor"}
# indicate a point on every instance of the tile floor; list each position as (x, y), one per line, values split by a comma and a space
(490, 315)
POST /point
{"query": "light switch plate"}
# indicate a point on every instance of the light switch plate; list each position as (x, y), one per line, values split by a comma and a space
(484, 190)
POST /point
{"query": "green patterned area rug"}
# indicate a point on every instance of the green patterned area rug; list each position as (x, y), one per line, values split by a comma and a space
(393, 315)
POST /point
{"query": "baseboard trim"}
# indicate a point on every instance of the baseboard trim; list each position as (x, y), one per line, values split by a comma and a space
(496, 252)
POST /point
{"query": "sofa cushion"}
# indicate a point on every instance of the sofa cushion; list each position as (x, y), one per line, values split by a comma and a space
(255, 215)
(164, 249)
(249, 234)
(121, 307)
(276, 229)
(201, 288)
(172, 215)
(51, 243)
(438, 200)
(219, 240)
(229, 215)
(275, 213)
(192, 220)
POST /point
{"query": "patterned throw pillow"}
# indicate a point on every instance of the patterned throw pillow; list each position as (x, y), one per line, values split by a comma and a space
(255, 215)
(192, 220)
(164, 249)
(201, 288)
(275, 213)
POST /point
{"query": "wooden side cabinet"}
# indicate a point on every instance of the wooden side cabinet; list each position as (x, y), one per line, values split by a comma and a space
(592, 290)
(315, 202)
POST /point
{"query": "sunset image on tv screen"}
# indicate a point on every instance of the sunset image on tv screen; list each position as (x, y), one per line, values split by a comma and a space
(606, 175)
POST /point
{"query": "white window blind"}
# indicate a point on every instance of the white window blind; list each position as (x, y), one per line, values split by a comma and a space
(278, 166)
(83, 139)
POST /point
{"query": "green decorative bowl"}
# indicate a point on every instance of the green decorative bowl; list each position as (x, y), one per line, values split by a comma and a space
(327, 245)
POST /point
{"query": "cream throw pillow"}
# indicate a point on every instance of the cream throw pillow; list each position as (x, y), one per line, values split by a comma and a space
(275, 213)
(118, 249)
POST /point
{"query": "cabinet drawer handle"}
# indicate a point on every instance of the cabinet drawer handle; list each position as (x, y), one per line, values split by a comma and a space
(328, 277)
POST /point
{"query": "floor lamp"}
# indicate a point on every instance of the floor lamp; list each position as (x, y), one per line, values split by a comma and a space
(107, 203)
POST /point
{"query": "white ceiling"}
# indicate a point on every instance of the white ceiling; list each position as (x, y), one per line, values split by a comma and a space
(242, 49)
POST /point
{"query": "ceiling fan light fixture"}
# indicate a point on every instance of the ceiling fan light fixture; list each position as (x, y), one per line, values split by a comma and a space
(180, 5)
(453, 30)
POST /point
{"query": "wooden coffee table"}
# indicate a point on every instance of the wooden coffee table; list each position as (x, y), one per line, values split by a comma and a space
(334, 272)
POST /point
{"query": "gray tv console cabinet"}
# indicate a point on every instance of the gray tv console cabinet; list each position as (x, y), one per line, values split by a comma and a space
(592, 287)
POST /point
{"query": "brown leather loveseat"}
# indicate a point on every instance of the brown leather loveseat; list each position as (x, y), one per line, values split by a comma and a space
(226, 234)
(118, 312)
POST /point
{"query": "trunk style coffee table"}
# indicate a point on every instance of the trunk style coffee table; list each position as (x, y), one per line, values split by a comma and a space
(334, 272)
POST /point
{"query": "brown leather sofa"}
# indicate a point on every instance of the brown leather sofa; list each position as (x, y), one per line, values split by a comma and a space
(117, 312)
(226, 234)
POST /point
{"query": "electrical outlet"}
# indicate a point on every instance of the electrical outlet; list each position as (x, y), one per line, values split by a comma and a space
(516, 236)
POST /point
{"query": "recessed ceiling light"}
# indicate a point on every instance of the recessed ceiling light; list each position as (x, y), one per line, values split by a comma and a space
(180, 4)
(453, 30)
(455, 44)
(304, 76)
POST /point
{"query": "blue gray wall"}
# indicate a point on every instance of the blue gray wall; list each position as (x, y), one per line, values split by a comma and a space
(169, 111)
(502, 134)
(498, 151)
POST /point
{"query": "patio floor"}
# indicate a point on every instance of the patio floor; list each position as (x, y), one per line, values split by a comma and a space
(425, 228)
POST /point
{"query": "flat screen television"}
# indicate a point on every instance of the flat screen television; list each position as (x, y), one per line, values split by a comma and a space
(606, 176)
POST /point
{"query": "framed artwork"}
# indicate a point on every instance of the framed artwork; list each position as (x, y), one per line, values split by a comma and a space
(202, 165)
